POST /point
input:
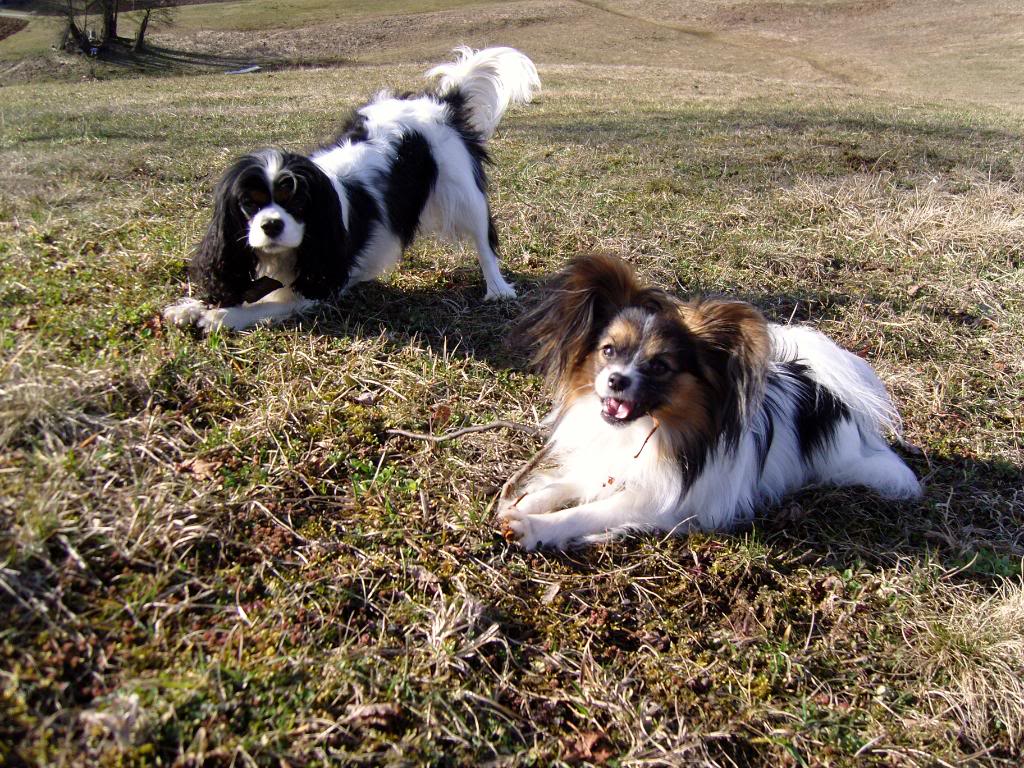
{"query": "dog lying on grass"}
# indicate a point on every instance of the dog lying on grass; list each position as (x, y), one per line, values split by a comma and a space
(672, 416)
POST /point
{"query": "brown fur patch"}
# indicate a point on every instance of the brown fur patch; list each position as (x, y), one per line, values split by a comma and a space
(624, 335)
(691, 416)
(734, 349)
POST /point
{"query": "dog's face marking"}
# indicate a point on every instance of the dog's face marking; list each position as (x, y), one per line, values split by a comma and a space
(639, 362)
(273, 201)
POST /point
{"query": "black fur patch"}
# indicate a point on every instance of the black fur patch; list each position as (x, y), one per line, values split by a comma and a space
(492, 233)
(363, 214)
(473, 141)
(354, 130)
(763, 428)
(259, 288)
(411, 179)
(322, 261)
(224, 265)
(818, 411)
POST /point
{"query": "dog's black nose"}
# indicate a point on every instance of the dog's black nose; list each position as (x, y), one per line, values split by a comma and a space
(272, 227)
(617, 382)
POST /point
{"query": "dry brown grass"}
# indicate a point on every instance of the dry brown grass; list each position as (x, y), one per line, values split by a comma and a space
(214, 551)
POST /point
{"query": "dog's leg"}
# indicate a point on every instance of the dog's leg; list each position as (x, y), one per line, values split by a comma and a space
(274, 307)
(481, 230)
(557, 529)
(883, 471)
(544, 499)
(865, 459)
(380, 254)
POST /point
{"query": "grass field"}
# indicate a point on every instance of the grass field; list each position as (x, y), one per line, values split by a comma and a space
(212, 552)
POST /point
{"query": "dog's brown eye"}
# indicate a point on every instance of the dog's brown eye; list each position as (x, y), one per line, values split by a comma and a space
(657, 367)
(283, 194)
(258, 197)
(608, 350)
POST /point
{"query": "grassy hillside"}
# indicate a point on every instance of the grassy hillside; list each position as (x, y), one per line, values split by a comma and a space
(213, 552)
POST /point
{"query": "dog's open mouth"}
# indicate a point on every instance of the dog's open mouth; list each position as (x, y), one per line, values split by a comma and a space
(616, 411)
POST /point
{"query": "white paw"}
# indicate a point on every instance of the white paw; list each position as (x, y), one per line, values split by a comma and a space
(214, 319)
(499, 292)
(184, 312)
(533, 531)
(517, 526)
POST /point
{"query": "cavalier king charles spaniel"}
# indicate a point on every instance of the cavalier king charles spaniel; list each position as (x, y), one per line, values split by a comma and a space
(290, 230)
(672, 416)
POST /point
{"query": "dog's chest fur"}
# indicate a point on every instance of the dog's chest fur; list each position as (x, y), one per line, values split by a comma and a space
(607, 458)
(278, 266)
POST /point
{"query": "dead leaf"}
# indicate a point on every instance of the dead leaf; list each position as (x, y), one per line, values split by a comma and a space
(440, 417)
(550, 593)
(377, 715)
(592, 746)
(154, 325)
(204, 469)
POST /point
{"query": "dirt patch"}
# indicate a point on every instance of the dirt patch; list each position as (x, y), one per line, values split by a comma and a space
(8, 26)
(744, 14)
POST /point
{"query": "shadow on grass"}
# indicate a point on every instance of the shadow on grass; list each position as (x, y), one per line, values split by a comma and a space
(452, 315)
(154, 59)
(968, 519)
(968, 523)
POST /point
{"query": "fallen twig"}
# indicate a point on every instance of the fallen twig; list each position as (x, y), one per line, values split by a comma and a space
(467, 431)
(649, 434)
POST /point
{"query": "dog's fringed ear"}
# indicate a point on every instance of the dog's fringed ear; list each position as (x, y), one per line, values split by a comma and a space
(561, 328)
(324, 261)
(734, 350)
(224, 265)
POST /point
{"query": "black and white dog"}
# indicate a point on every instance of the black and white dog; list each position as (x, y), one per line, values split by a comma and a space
(289, 230)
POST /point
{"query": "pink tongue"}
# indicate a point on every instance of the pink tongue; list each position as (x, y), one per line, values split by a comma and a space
(620, 409)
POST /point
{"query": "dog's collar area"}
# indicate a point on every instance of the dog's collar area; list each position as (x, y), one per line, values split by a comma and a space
(260, 287)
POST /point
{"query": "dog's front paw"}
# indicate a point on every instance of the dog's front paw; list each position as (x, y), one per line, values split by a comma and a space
(184, 312)
(516, 526)
(499, 291)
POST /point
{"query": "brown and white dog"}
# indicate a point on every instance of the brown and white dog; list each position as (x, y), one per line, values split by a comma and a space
(672, 416)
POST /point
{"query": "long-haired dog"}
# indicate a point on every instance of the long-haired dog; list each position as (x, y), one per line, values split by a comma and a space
(289, 230)
(672, 416)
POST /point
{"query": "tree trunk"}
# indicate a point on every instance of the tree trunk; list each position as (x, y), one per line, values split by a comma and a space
(109, 22)
(75, 38)
(140, 36)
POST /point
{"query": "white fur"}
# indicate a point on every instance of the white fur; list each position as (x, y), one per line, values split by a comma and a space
(456, 209)
(613, 486)
(491, 79)
(290, 237)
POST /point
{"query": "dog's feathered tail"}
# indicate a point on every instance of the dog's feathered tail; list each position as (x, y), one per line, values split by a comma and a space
(489, 80)
(850, 379)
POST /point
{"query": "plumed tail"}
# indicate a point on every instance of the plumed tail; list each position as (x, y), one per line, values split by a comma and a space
(489, 80)
(562, 326)
(849, 378)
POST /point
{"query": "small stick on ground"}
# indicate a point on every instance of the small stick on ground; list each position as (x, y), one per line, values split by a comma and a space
(466, 431)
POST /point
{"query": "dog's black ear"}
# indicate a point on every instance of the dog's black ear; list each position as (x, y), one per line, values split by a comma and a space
(323, 260)
(224, 265)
